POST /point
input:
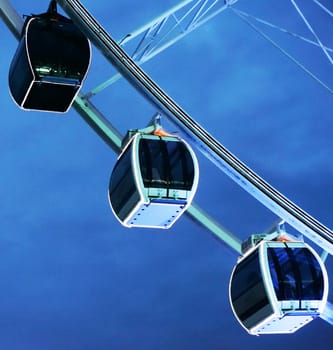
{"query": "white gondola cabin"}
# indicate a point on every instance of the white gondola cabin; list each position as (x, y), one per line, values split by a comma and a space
(50, 63)
(278, 287)
(154, 181)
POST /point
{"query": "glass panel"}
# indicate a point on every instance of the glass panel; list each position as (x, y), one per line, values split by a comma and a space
(181, 166)
(295, 273)
(159, 164)
(57, 49)
(122, 186)
(145, 163)
(248, 294)
(312, 276)
(282, 271)
(165, 164)
(153, 163)
(20, 75)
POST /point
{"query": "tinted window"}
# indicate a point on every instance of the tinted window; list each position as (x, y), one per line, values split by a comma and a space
(57, 49)
(122, 186)
(296, 274)
(165, 164)
(248, 294)
(181, 166)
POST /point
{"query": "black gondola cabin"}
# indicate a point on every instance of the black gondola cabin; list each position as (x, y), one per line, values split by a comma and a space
(50, 63)
(154, 181)
(278, 287)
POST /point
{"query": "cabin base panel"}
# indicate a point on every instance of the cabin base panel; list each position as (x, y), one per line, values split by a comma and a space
(288, 323)
(156, 214)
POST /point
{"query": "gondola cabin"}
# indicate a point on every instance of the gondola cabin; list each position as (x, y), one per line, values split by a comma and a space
(154, 181)
(50, 63)
(278, 287)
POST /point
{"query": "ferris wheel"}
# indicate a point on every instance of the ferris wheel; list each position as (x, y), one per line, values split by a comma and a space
(151, 39)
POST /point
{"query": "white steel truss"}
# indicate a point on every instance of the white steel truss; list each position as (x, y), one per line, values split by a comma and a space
(165, 30)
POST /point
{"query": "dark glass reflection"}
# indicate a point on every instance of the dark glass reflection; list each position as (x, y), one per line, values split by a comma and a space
(296, 274)
(248, 294)
(165, 164)
(57, 49)
(122, 188)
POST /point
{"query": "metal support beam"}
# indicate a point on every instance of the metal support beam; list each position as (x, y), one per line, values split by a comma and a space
(98, 122)
(165, 30)
(201, 217)
(11, 18)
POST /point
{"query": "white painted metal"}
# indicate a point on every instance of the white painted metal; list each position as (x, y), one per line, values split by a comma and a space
(165, 30)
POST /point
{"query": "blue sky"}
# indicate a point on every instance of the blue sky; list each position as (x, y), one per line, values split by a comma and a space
(71, 276)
